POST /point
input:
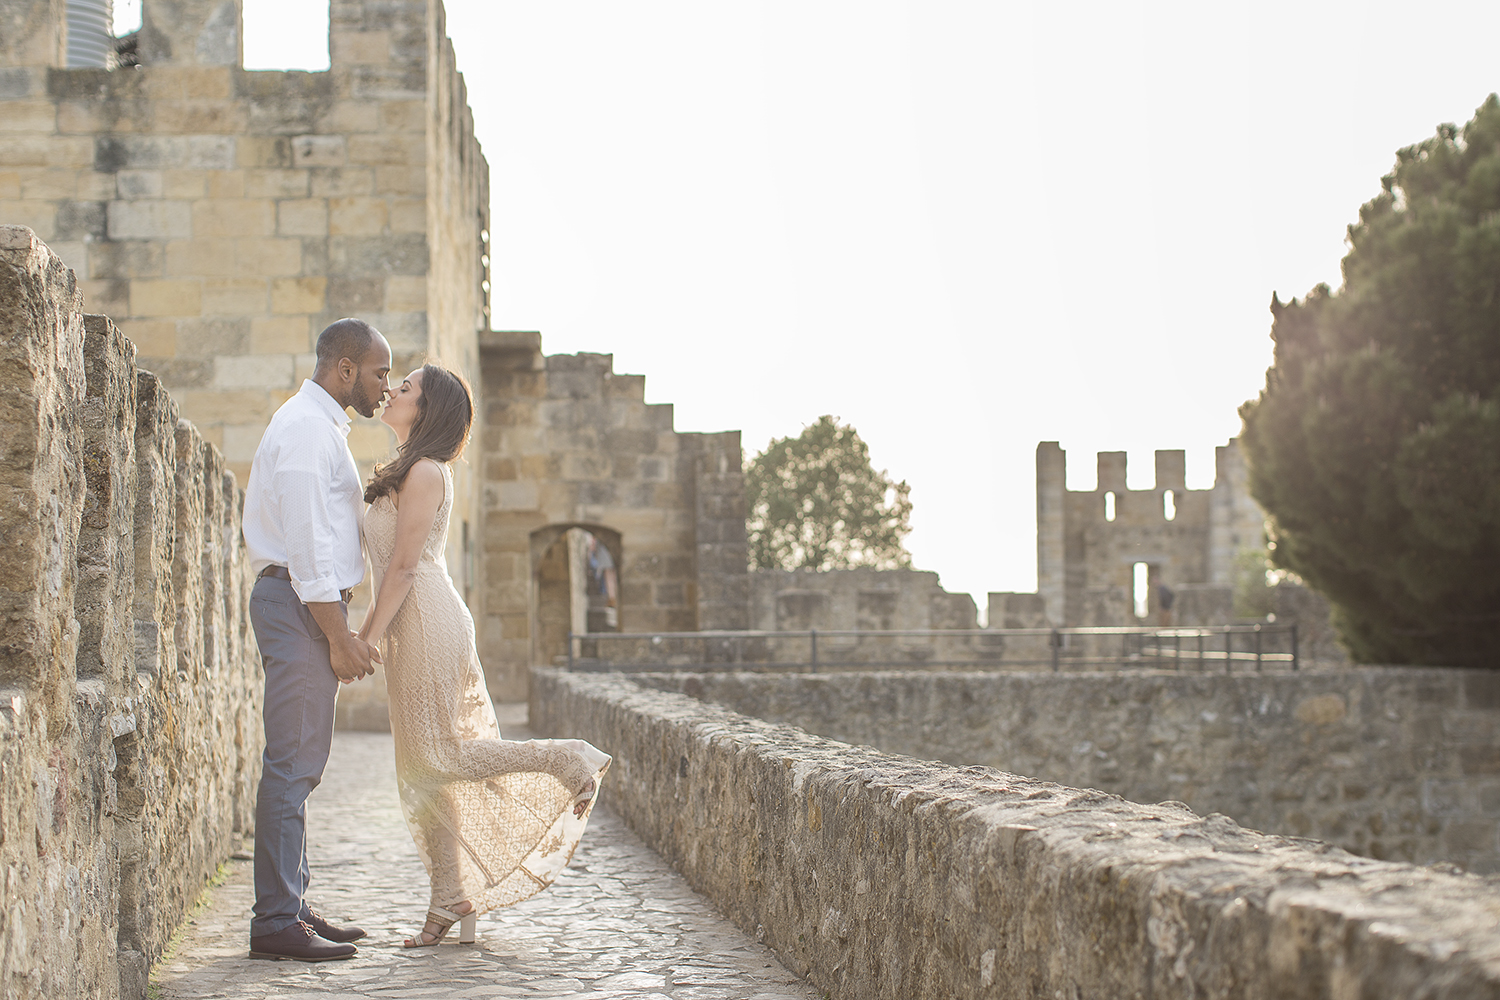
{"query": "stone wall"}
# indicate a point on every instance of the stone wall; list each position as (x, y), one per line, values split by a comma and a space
(1386, 762)
(865, 600)
(568, 443)
(875, 875)
(129, 683)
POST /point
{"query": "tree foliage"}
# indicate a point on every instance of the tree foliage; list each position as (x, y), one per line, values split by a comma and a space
(1375, 445)
(816, 503)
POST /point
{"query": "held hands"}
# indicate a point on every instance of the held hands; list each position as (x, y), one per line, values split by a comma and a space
(353, 659)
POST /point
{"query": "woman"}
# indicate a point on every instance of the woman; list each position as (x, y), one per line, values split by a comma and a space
(494, 820)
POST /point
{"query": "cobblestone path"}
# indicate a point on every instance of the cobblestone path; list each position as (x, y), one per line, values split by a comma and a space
(619, 923)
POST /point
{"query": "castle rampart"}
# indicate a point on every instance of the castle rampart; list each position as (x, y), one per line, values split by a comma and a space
(129, 683)
(1401, 764)
(875, 875)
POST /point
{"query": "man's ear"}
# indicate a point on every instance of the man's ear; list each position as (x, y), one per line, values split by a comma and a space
(347, 369)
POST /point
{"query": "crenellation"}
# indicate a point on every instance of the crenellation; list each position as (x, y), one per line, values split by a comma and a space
(1086, 559)
(142, 762)
(106, 588)
(1112, 471)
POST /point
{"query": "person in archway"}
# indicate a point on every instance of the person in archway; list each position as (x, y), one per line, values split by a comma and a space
(494, 820)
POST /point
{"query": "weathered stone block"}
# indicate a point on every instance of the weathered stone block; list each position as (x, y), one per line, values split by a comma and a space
(408, 215)
(211, 337)
(165, 297)
(19, 82)
(27, 116)
(357, 216)
(367, 256)
(406, 294)
(353, 296)
(276, 183)
(279, 335)
(319, 150)
(234, 217)
(125, 259)
(190, 185)
(352, 116)
(263, 151)
(198, 116)
(106, 296)
(399, 180)
(273, 371)
(298, 295)
(268, 257)
(341, 182)
(149, 220)
(202, 152)
(400, 149)
(233, 296)
(134, 185)
(81, 220)
(41, 439)
(203, 258)
(106, 556)
(302, 217)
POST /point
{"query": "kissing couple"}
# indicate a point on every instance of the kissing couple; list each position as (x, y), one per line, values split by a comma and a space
(494, 820)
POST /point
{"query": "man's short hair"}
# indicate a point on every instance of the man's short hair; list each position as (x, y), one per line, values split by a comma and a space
(344, 338)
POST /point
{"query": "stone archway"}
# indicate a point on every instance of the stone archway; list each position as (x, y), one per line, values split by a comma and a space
(566, 586)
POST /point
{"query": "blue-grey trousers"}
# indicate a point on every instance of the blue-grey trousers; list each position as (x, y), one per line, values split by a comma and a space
(301, 690)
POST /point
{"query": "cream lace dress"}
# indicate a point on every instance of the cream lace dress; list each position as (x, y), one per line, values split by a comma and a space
(492, 818)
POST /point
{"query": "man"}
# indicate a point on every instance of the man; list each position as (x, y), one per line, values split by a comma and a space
(304, 503)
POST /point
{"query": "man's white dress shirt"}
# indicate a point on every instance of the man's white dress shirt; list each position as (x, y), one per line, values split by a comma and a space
(304, 502)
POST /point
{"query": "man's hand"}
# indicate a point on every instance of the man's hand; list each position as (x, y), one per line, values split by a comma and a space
(350, 656)
(352, 659)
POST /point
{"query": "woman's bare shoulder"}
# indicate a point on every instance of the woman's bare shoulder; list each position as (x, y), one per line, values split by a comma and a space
(425, 473)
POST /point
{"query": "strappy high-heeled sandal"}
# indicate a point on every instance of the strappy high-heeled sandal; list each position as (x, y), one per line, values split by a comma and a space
(444, 920)
(584, 797)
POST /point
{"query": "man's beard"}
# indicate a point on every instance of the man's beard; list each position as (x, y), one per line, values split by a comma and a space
(360, 400)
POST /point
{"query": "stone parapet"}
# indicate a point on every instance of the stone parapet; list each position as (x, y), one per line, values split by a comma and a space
(875, 875)
(1394, 763)
(129, 684)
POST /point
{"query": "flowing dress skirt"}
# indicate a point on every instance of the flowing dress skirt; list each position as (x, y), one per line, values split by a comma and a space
(492, 818)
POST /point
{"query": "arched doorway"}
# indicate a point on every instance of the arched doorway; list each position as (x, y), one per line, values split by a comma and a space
(575, 586)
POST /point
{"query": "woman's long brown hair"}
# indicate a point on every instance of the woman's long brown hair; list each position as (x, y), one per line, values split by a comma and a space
(445, 410)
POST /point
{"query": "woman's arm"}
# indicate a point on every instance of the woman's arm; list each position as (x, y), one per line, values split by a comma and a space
(417, 503)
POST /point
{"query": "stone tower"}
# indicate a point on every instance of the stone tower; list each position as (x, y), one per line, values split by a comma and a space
(223, 217)
(1089, 542)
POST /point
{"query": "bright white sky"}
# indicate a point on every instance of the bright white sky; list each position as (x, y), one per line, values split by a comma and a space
(963, 227)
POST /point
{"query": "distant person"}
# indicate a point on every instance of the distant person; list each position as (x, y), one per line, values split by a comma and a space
(302, 530)
(495, 820)
(1165, 597)
(606, 582)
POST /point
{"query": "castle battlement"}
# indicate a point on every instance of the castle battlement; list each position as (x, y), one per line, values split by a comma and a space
(1090, 541)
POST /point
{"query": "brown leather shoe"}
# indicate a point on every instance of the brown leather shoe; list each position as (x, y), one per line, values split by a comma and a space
(333, 932)
(299, 942)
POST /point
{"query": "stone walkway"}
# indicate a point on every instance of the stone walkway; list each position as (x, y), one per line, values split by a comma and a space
(618, 924)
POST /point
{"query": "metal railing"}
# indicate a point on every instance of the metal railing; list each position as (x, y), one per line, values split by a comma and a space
(1218, 648)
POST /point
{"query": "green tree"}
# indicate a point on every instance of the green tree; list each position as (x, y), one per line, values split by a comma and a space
(816, 503)
(1375, 445)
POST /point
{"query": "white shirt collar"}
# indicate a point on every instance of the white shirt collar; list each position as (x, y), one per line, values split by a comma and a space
(319, 395)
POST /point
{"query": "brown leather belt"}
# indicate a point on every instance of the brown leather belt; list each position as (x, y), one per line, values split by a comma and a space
(282, 573)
